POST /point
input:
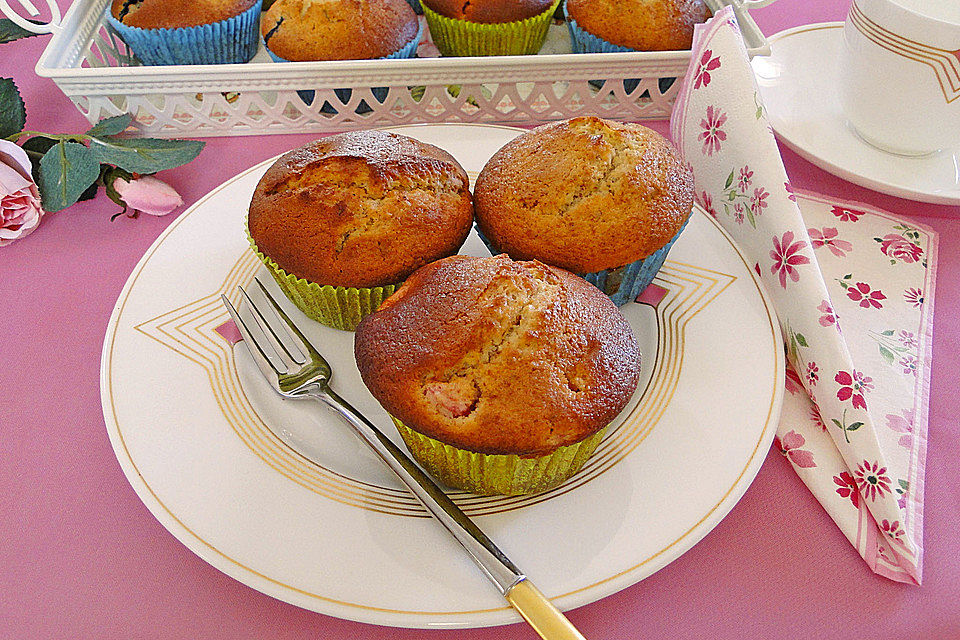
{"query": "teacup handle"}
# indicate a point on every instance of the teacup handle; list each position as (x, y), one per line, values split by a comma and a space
(31, 9)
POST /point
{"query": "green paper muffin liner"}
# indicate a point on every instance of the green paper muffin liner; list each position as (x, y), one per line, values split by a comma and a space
(455, 37)
(491, 474)
(337, 307)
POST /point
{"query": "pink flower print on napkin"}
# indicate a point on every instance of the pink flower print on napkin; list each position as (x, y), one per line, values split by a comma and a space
(896, 247)
(827, 237)
(789, 189)
(786, 255)
(789, 447)
(866, 296)
(816, 418)
(872, 480)
(853, 386)
(712, 135)
(909, 364)
(908, 339)
(892, 529)
(759, 201)
(707, 201)
(738, 212)
(846, 214)
(792, 381)
(902, 423)
(744, 181)
(813, 374)
(707, 64)
(829, 317)
(914, 297)
(848, 487)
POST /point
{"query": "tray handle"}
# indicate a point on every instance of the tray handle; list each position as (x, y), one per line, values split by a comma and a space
(43, 27)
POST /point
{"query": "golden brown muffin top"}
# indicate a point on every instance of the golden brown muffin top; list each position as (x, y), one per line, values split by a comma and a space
(361, 209)
(499, 357)
(644, 25)
(584, 194)
(489, 11)
(300, 30)
(173, 14)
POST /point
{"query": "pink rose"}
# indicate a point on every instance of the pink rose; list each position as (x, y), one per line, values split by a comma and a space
(20, 209)
(899, 248)
(148, 194)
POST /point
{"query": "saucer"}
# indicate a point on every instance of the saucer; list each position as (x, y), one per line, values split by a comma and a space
(799, 86)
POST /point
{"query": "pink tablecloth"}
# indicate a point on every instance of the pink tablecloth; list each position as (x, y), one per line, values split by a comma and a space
(80, 556)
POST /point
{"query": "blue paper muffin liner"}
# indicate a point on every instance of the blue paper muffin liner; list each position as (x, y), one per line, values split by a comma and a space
(233, 40)
(585, 42)
(623, 284)
(408, 50)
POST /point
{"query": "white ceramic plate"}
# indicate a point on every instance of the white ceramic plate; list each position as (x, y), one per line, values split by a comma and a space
(799, 86)
(304, 513)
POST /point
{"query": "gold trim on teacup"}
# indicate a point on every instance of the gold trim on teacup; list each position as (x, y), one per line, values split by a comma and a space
(944, 63)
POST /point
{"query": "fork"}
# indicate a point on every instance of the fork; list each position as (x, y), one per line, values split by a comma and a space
(295, 369)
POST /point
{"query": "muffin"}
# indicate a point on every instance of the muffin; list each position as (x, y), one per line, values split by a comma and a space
(634, 25)
(303, 30)
(603, 199)
(164, 32)
(489, 27)
(501, 376)
(341, 221)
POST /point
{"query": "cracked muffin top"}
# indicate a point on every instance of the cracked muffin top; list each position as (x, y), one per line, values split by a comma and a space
(301, 30)
(499, 357)
(173, 14)
(361, 209)
(489, 11)
(644, 25)
(584, 194)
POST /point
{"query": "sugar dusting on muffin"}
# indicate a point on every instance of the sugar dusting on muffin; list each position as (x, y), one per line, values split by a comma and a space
(499, 357)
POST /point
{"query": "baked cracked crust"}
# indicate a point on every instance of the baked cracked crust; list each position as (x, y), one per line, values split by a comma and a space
(644, 25)
(361, 209)
(584, 194)
(300, 30)
(172, 14)
(489, 11)
(499, 357)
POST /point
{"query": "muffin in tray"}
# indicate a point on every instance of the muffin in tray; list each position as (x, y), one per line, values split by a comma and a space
(501, 376)
(305, 30)
(489, 27)
(165, 32)
(342, 221)
(603, 199)
(598, 26)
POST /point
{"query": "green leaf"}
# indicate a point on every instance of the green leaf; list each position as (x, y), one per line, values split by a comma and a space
(837, 423)
(13, 114)
(888, 332)
(37, 144)
(904, 484)
(726, 185)
(848, 276)
(886, 354)
(854, 426)
(10, 31)
(111, 126)
(144, 155)
(750, 219)
(66, 171)
(802, 340)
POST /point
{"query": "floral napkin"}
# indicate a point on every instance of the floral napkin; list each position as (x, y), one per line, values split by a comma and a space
(853, 289)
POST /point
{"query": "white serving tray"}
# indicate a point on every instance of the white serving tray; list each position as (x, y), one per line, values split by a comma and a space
(93, 67)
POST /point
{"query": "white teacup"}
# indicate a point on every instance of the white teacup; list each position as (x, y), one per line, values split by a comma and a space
(900, 74)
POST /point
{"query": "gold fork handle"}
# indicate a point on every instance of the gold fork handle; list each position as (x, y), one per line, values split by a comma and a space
(525, 598)
(537, 610)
